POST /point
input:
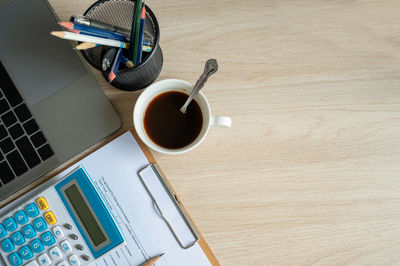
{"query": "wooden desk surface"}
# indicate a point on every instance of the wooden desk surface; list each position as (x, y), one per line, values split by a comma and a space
(309, 173)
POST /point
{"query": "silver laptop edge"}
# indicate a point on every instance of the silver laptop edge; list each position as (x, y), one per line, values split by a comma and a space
(64, 97)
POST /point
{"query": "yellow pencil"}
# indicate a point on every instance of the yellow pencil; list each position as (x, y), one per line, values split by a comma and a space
(151, 261)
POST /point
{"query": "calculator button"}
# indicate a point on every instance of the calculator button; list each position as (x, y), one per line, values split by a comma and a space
(42, 203)
(79, 247)
(15, 259)
(21, 217)
(17, 238)
(32, 263)
(10, 224)
(50, 217)
(85, 257)
(7, 245)
(73, 259)
(32, 210)
(66, 246)
(44, 260)
(62, 263)
(47, 238)
(39, 224)
(26, 253)
(28, 231)
(73, 237)
(67, 226)
(3, 232)
(36, 245)
(55, 253)
(58, 232)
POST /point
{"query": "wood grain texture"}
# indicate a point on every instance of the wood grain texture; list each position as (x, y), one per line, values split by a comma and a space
(309, 173)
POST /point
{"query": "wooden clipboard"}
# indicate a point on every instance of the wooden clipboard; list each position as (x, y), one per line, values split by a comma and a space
(202, 242)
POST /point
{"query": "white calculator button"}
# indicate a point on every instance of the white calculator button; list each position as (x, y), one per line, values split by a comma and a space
(44, 260)
(55, 253)
(74, 260)
(66, 246)
(62, 263)
(32, 263)
(58, 232)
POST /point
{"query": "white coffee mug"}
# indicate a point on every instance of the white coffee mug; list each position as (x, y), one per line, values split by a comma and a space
(174, 85)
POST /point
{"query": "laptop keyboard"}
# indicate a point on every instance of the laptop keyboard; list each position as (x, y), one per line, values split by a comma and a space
(22, 143)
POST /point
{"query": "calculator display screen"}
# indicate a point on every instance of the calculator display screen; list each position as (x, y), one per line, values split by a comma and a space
(85, 215)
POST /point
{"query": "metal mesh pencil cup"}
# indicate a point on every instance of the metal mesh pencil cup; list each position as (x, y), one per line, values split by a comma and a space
(119, 13)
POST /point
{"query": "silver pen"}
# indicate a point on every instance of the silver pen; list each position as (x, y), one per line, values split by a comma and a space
(82, 20)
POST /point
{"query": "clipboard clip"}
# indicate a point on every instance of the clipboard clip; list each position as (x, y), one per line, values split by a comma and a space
(174, 199)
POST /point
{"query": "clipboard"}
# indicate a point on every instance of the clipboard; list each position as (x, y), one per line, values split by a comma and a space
(152, 163)
(168, 201)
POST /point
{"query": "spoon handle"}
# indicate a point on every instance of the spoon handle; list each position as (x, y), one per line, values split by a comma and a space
(210, 68)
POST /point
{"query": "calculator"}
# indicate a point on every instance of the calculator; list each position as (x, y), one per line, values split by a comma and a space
(59, 223)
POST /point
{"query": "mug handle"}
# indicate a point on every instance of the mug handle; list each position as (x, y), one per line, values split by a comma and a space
(220, 121)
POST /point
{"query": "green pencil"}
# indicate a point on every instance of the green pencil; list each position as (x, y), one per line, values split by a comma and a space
(136, 28)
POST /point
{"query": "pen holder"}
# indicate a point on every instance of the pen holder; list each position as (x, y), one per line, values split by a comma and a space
(119, 13)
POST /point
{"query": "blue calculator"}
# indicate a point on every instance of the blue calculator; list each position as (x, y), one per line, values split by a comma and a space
(59, 223)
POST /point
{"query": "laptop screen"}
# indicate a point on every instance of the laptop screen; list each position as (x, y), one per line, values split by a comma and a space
(40, 64)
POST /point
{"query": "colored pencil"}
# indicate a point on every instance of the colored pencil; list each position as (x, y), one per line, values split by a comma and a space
(85, 33)
(151, 261)
(128, 63)
(146, 48)
(91, 30)
(85, 38)
(82, 20)
(88, 45)
(141, 35)
(134, 41)
(114, 69)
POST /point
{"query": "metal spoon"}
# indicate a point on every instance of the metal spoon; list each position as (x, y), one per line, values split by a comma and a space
(210, 68)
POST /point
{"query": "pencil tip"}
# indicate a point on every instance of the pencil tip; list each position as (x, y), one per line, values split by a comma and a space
(68, 25)
(111, 77)
(129, 64)
(143, 14)
(58, 34)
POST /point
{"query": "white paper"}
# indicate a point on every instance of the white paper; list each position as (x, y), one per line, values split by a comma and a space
(114, 168)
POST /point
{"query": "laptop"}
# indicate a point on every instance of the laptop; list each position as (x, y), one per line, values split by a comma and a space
(51, 107)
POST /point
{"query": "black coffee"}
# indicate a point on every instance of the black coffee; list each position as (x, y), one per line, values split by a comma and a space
(167, 126)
